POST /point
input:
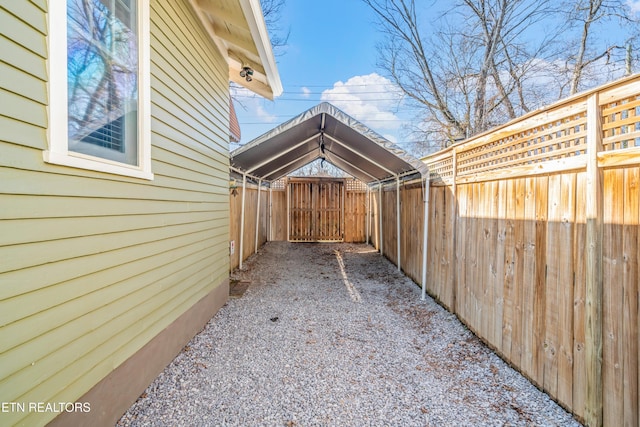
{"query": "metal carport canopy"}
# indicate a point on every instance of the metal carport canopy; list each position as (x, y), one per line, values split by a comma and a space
(326, 132)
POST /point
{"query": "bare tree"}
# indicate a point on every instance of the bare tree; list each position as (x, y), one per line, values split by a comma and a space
(272, 12)
(466, 72)
(587, 14)
(483, 62)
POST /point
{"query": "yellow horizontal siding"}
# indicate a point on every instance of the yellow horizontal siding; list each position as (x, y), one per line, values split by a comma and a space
(16, 257)
(26, 85)
(95, 265)
(87, 356)
(28, 207)
(27, 12)
(22, 109)
(122, 297)
(25, 134)
(23, 33)
(24, 59)
(106, 286)
(57, 279)
(24, 231)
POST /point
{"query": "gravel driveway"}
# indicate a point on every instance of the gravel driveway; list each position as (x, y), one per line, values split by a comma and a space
(333, 335)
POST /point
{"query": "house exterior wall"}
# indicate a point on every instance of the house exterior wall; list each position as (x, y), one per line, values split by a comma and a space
(94, 266)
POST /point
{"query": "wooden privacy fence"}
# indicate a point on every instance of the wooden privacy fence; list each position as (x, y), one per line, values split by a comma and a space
(336, 211)
(533, 243)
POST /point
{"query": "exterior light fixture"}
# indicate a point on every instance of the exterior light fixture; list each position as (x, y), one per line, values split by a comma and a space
(246, 72)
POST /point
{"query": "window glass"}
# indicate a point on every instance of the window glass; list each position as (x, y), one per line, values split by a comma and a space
(102, 76)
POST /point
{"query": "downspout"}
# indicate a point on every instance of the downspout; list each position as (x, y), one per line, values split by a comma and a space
(425, 234)
(398, 220)
(258, 215)
(244, 192)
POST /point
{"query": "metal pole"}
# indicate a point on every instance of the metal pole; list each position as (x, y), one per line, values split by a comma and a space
(425, 234)
(244, 191)
(398, 221)
(270, 213)
(288, 210)
(368, 214)
(258, 215)
(381, 234)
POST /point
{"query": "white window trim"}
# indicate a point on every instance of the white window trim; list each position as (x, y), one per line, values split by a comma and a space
(58, 152)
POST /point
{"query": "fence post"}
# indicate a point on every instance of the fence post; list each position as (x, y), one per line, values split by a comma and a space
(593, 291)
(454, 234)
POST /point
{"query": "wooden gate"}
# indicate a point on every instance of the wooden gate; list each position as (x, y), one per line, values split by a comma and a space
(316, 210)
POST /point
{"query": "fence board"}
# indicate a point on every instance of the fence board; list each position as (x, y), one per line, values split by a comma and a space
(552, 284)
(462, 287)
(612, 367)
(579, 296)
(631, 279)
(521, 348)
(540, 294)
(508, 187)
(565, 289)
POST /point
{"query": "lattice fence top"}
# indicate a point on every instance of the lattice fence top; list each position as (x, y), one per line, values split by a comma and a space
(621, 124)
(555, 140)
(355, 185)
(279, 184)
(547, 141)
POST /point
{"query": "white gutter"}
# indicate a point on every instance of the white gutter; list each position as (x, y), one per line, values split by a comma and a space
(425, 235)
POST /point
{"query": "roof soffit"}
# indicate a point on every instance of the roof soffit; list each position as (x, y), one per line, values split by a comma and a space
(238, 29)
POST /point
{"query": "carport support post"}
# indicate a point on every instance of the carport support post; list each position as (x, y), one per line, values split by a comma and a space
(270, 233)
(425, 234)
(244, 193)
(258, 215)
(398, 220)
(368, 214)
(381, 244)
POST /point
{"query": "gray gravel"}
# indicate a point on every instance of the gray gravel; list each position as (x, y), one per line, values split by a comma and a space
(311, 344)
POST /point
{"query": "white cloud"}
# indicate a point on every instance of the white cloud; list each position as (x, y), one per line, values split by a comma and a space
(248, 101)
(305, 92)
(371, 99)
(634, 6)
(263, 115)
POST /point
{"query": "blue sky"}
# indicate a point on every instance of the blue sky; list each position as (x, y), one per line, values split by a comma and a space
(330, 42)
(330, 56)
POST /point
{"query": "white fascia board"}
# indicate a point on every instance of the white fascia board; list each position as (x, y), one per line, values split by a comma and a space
(253, 14)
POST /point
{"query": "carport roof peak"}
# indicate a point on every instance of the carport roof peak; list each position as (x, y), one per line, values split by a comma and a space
(325, 131)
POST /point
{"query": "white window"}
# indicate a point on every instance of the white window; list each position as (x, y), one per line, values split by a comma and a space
(99, 86)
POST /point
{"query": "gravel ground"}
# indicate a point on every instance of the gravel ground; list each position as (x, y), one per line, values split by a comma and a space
(333, 335)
